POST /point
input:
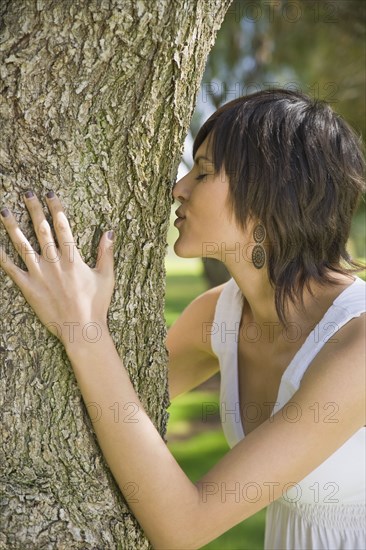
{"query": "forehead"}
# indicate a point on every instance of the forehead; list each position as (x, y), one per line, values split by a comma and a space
(204, 151)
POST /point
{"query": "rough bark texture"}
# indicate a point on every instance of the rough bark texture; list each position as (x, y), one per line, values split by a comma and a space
(96, 99)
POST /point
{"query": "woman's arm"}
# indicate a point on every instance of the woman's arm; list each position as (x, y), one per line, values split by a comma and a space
(174, 512)
(188, 341)
(157, 490)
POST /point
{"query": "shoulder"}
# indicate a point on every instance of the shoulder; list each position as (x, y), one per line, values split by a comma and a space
(192, 329)
(203, 309)
(341, 355)
(207, 301)
(210, 298)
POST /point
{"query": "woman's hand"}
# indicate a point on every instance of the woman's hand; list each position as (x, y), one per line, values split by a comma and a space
(70, 298)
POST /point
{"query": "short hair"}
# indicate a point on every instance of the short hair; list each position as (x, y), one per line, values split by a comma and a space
(298, 167)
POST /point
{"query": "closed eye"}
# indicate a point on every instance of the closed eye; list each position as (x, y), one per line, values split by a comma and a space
(201, 176)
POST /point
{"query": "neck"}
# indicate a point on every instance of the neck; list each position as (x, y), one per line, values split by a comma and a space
(260, 299)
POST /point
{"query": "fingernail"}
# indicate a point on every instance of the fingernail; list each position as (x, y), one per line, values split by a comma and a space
(29, 194)
(4, 212)
(110, 235)
(50, 194)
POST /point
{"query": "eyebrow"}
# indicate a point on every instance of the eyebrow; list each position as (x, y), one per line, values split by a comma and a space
(197, 159)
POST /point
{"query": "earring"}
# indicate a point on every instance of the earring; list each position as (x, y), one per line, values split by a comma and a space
(258, 253)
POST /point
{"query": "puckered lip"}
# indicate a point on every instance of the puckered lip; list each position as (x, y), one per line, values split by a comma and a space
(179, 214)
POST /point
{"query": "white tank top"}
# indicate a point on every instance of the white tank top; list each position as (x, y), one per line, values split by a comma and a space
(326, 510)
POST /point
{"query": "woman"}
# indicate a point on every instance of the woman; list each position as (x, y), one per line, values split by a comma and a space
(276, 180)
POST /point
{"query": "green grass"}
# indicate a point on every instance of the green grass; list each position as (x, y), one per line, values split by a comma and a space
(189, 405)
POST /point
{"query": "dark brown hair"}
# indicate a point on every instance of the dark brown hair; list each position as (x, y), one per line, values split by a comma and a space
(298, 167)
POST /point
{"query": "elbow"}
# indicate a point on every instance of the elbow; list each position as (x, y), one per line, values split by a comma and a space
(182, 539)
(181, 535)
(175, 543)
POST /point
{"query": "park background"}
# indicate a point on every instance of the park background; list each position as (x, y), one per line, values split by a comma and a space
(317, 47)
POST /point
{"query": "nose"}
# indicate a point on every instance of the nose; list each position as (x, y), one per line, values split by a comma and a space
(181, 189)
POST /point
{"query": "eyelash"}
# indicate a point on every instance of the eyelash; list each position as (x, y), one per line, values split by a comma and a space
(201, 176)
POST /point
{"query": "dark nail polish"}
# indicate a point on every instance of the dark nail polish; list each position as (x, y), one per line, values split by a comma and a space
(4, 212)
(50, 194)
(111, 235)
(29, 194)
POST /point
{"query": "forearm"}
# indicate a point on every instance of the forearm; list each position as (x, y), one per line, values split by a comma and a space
(133, 448)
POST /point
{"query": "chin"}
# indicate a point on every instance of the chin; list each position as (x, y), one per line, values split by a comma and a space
(183, 252)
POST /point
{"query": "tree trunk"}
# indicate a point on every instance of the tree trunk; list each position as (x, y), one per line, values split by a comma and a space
(96, 99)
(215, 272)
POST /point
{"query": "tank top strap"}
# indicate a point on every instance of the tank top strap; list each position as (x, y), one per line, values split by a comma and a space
(227, 316)
(349, 304)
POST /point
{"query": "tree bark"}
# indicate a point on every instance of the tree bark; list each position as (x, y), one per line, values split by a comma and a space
(215, 272)
(96, 99)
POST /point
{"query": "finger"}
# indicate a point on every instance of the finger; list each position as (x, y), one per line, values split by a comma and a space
(105, 260)
(61, 226)
(41, 227)
(29, 256)
(17, 275)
